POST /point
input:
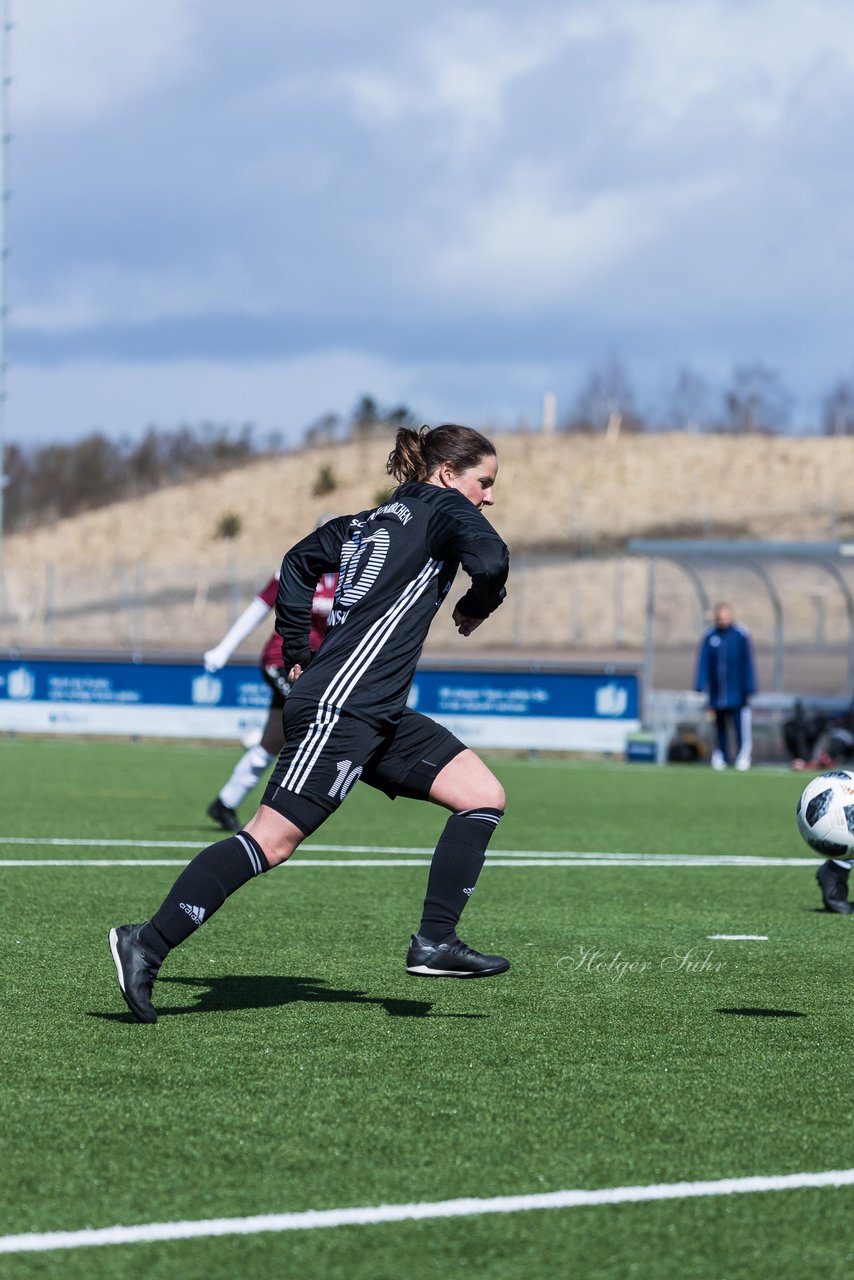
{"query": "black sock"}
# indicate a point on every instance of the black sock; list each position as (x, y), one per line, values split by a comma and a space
(201, 889)
(456, 865)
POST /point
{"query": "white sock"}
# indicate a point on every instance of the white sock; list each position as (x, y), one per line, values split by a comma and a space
(746, 721)
(246, 774)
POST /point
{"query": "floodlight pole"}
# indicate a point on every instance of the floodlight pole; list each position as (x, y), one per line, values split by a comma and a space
(5, 81)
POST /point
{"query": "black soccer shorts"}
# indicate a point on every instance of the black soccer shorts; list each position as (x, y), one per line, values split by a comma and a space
(326, 754)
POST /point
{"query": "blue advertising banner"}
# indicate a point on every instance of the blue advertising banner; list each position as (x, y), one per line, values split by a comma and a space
(564, 710)
(557, 710)
(136, 698)
(129, 683)
(518, 694)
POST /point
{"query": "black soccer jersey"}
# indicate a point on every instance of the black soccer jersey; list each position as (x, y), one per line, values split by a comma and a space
(396, 563)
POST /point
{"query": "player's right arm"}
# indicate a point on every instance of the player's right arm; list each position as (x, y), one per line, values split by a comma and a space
(302, 567)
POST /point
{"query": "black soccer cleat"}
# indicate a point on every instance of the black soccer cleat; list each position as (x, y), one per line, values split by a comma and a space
(833, 880)
(450, 959)
(223, 816)
(137, 969)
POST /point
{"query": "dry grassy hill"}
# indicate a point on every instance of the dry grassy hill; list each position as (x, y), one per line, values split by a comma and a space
(573, 491)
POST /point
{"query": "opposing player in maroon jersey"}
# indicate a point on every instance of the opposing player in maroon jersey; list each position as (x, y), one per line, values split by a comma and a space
(251, 765)
(346, 718)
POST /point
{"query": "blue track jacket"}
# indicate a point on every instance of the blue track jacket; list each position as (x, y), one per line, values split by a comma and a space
(725, 666)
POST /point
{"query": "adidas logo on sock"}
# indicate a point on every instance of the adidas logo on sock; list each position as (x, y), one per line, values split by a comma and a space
(467, 892)
(196, 914)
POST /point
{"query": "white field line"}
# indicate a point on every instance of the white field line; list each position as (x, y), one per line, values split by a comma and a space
(497, 857)
(528, 860)
(738, 937)
(324, 1218)
(182, 862)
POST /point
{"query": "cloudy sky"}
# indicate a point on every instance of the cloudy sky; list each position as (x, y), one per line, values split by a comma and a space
(260, 211)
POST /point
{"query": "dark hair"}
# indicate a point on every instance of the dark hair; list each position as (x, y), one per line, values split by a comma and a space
(418, 454)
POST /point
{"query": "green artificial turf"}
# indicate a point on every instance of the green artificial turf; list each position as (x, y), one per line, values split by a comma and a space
(295, 1065)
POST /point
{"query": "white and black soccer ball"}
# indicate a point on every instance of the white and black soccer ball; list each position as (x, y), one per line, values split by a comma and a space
(826, 814)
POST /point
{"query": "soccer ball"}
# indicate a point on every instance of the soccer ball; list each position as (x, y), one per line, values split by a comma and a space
(826, 814)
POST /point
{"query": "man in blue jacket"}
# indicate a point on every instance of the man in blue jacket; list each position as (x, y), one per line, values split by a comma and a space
(725, 672)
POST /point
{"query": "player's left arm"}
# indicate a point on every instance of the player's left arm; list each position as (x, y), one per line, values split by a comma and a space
(484, 557)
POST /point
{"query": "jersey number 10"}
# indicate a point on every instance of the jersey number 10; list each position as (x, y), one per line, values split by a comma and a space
(347, 775)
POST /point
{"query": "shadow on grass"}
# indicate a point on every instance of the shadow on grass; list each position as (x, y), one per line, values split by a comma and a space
(226, 994)
(762, 1013)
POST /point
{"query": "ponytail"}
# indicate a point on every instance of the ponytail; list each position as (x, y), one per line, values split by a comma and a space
(406, 460)
(417, 455)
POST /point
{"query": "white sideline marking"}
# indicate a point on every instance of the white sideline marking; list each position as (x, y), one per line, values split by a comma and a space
(465, 1208)
(526, 860)
(497, 857)
(182, 862)
(101, 844)
(738, 937)
(93, 862)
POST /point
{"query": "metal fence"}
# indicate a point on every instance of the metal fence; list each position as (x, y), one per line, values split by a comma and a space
(650, 605)
(798, 596)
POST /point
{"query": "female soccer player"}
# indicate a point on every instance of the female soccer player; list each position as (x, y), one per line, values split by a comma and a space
(346, 717)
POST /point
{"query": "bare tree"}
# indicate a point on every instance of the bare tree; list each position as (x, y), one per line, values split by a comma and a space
(838, 410)
(370, 420)
(323, 430)
(57, 480)
(756, 402)
(687, 404)
(366, 415)
(606, 402)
